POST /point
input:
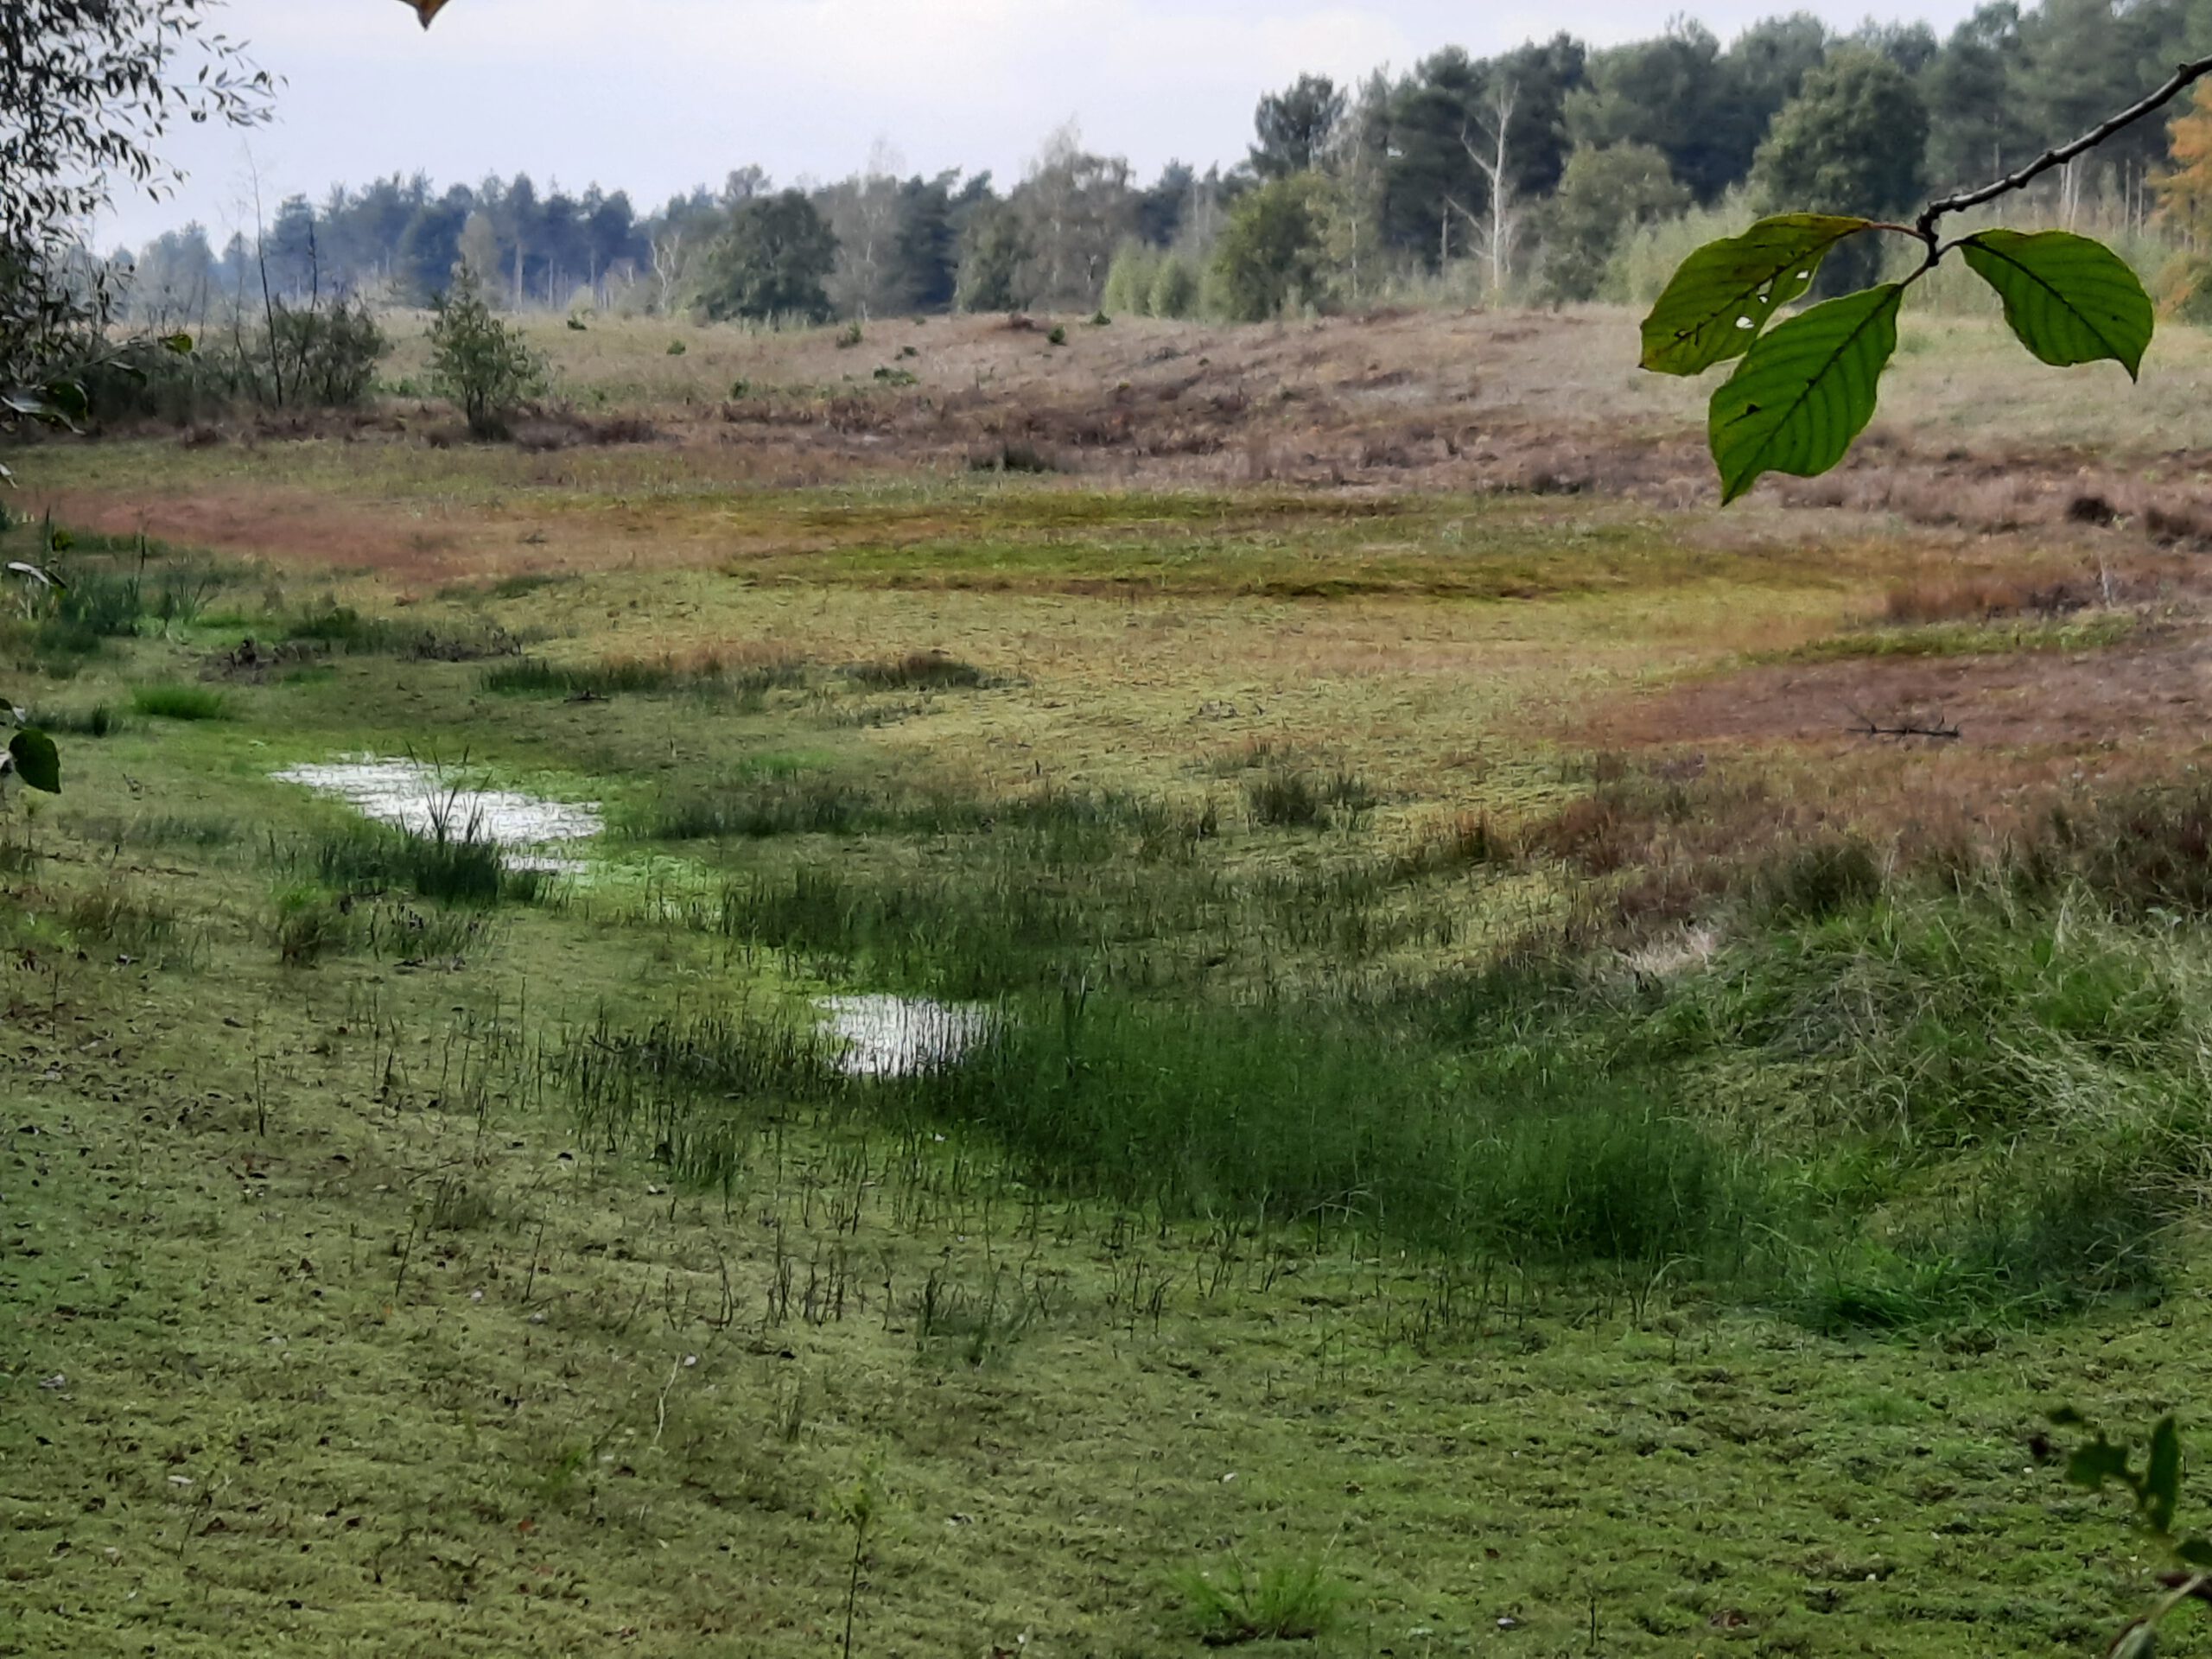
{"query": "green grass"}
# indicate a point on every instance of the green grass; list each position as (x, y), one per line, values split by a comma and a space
(427, 1270)
(1278, 1601)
(172, 701)
(453, 864)
(2097, 631)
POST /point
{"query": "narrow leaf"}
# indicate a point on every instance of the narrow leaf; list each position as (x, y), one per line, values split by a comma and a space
(1803, 391)
(1716, 303)
(2071, 299)
(2162, 1479)
(38, 763)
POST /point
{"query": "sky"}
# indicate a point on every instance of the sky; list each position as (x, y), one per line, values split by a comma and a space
(655, 96)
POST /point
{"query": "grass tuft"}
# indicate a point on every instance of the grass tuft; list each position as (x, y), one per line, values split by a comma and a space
(1229, 1604)
(454, 864)
(171, 700)
(918, 670)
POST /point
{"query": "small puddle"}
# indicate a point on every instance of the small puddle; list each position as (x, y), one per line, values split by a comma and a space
(900, 1036)
(419, 798)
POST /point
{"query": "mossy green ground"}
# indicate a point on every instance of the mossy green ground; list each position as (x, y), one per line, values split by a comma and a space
(324, 1329)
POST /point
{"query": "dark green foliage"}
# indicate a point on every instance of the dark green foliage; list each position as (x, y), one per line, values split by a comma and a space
(772, 261)
(36, 760)
(1677, 94)
(1605, 193)
(326, 359)
(1854, 141)
(1269, 254)
(1295, 127)
(478, 361)
(92, 92)
(994, 252)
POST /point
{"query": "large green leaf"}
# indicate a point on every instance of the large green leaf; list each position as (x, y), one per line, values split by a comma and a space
(38, 763)
(2069, 299)
(1803, 391)
(1716, 303)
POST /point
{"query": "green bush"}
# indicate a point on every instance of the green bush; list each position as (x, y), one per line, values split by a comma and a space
(328, 359)
(479, 362)
(1175, 288)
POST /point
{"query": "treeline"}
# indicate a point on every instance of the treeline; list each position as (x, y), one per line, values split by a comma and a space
(1526, 172)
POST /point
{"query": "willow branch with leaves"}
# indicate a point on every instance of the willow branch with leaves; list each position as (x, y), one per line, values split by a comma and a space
(1806, 388)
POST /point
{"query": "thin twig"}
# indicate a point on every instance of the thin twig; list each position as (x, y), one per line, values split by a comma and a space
(1924, 226)
(1868, 727)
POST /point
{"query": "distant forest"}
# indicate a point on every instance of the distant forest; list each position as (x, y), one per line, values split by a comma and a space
(1526, 173)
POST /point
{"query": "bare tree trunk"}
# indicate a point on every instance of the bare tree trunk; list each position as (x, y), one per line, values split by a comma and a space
(268, 298)
(1492, 162)
(668, 264)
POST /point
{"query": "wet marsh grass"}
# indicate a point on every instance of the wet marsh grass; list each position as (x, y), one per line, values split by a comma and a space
(344, 631)
(768, 800)
(453, 863)
(1555, 1112)
(708, 675)
(1263, 1177)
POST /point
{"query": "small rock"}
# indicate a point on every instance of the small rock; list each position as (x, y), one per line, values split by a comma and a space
(57, 1381)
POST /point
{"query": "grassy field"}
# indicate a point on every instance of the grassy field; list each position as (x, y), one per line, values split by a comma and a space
(1505, 1113)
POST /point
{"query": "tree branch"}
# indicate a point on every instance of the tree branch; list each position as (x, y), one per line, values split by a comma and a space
(1924, 226)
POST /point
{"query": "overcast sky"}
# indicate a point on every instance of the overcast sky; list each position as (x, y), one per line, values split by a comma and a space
(654, 96)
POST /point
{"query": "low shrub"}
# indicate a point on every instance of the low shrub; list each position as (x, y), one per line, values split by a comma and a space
(174, 702)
